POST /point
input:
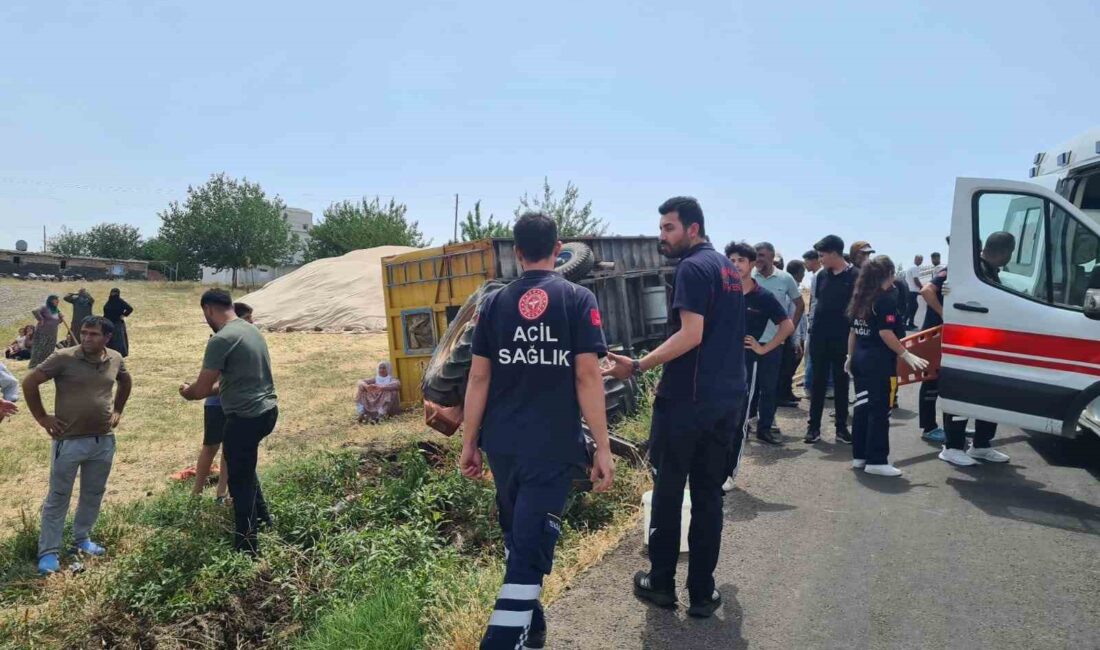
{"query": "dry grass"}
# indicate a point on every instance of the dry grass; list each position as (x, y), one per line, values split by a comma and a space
(160, 433)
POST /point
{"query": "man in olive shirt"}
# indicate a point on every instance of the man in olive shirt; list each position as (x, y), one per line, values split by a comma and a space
(238, 361)
(82, 428)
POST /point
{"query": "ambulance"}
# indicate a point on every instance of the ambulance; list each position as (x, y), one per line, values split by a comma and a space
(1023, 348)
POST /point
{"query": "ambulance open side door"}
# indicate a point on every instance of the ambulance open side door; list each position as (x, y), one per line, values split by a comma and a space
(1021, 344)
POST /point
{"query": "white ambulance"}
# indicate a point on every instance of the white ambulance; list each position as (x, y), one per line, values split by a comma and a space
(1022, 346)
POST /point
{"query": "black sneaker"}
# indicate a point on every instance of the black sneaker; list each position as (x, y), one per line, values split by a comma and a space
(535, 640)
(844, 435)
(812, 436)
(643, 588)
(704, 609)
(771, 436)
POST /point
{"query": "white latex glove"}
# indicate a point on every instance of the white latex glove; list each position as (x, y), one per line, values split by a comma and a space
(915, 362)
(848, 365)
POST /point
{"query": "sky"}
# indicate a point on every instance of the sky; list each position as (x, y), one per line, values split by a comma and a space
(787, 122)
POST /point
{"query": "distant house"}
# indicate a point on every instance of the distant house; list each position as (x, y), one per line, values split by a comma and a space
(24, 263)
(300, 222)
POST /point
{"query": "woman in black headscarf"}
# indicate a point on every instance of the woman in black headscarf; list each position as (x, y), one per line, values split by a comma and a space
(115, 309)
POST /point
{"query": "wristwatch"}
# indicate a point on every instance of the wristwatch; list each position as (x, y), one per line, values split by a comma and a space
(637, 366)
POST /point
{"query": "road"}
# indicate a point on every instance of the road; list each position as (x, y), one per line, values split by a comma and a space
(817, 555)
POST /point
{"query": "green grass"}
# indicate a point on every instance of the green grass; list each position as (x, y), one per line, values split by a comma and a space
(389, 619)
(372, 548)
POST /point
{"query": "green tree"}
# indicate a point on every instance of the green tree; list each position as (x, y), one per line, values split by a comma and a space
(68, 243)
(473, 227)
(572, 221)
(172, 262)
(349, 226)
(229, 224)
(117, 241)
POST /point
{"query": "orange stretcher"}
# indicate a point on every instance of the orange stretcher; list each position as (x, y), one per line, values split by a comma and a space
(925, 345)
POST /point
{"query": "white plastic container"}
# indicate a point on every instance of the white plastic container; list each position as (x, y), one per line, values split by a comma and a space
(685, 518)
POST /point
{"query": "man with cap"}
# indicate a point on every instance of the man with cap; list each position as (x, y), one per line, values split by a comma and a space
(829, 336)
(696, 410)
(535, 371)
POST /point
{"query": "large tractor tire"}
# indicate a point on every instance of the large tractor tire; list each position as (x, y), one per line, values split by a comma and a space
(445, 377)
(620, 397)
(575, 261)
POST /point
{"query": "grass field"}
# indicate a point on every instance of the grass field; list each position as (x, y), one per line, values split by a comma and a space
(160, 433)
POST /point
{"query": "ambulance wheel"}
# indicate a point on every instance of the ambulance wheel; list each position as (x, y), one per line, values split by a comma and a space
(575, 261)
(445, 377)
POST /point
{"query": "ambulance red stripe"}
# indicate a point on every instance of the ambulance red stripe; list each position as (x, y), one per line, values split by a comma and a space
(1045, 345)
(1036, 363)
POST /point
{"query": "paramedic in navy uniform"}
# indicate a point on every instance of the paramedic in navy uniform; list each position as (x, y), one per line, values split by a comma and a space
(695, 414)
(535, 371)
(873, 351)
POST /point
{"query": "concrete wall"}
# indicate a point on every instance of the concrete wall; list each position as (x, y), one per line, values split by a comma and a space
(90, 268)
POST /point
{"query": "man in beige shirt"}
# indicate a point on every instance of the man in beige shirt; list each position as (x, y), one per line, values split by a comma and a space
(82, 428)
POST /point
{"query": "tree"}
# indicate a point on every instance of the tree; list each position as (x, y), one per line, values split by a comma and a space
(474, 228)
(229, 224)
(117, 241)
(572, 222)
(68, 243)
(172, 262)
(349, 226)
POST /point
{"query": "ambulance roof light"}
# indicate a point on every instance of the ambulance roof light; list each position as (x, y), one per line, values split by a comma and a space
(1033, 172)
(1039, 157)
(1098, 146)
(1063, 159)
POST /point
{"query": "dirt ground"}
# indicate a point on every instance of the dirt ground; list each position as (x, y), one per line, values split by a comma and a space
(160, 433)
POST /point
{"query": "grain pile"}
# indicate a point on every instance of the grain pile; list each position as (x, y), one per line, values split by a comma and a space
(333, 294)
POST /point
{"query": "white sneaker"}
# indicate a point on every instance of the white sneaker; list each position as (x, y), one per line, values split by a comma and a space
(987, 454)
(858, 464)
(957, 457)
(882, 470)
(727, 487)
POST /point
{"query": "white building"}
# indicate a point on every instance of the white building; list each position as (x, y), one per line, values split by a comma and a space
(300, 222)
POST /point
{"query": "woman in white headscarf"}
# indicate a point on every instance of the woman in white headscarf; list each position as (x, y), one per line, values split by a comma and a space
(379, 397)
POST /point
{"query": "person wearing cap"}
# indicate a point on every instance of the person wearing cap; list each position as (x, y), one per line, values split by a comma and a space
(829, 337)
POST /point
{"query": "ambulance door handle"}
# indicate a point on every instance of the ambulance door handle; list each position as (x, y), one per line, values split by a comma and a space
(972, 306)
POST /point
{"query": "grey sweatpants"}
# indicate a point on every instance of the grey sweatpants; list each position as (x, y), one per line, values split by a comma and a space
(93, 457)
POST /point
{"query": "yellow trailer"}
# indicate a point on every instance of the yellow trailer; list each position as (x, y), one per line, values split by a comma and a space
(425, 289)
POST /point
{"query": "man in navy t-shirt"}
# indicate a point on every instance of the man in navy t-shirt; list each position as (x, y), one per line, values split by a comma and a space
(695, 414)
(535, 371)
(761, 360)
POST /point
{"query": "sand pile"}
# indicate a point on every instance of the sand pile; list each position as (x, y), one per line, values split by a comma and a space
(334, 294)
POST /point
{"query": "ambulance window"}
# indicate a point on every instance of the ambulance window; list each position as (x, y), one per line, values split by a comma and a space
(1075, 250)
(1010, 242)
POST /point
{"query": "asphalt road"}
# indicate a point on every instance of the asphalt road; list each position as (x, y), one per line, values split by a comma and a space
(817, 555)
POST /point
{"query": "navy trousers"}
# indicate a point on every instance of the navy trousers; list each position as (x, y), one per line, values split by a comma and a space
(763, 399)
(871, 414)
(955, 428)
(689, 443)
(531, 495)
(929, 393)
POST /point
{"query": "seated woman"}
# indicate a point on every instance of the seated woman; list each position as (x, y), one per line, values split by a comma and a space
(378, 398)
(20, 348)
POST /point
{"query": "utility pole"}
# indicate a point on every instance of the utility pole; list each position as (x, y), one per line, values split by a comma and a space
(43, 239)
(456, 218)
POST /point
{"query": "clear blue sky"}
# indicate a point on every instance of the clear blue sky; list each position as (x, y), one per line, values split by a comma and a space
(787, 121)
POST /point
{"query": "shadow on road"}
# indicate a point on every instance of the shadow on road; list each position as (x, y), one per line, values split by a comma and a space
(742, 506)
(1001, 491)
(1082, 452)
(885, 484)
(665, 629)
(765, 454)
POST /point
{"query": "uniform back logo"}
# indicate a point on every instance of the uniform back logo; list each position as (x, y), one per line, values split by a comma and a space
(533, 304)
